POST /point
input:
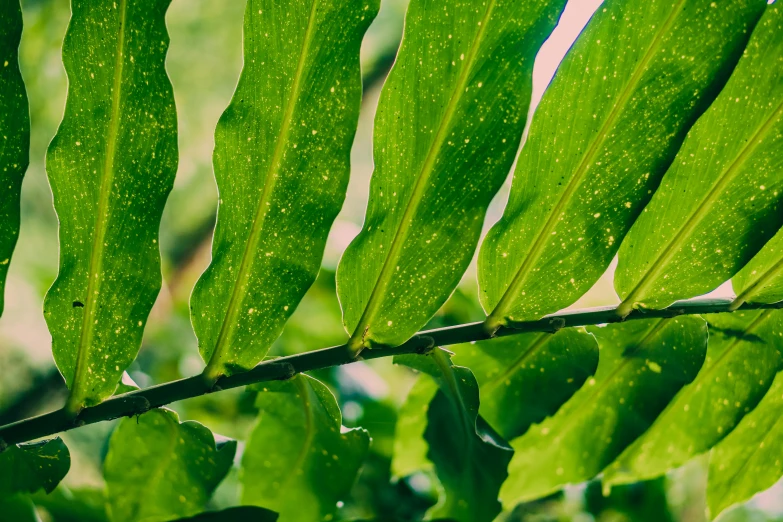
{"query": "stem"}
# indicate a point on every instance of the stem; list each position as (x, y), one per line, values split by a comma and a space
(140, 401)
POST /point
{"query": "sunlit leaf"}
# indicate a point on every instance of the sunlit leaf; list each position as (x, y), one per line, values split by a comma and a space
(111, 166)
(410, 446)
(299, 461)
(761, 280)
(158, 468)
(748, 460)
(641, 367)
(744, 354)
(14, 134)
(468, 456)
(525, 378)
(721, 199)
(26, 468)
(606, 131)
(282, 164)
(447, 129)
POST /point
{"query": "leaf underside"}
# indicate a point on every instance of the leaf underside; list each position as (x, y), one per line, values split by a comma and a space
(744, 354)
(158, 469)
(642, 365)
(525, 378)
(453, 427)
(604, 134)
(298, 460)
(720, 202)
(748, 460)
(462, 80)
(281, 162)
(14, 134)
(628, 401)
(111, 167)
(26, 468)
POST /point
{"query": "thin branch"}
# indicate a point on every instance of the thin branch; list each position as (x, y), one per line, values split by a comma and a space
(140, 401)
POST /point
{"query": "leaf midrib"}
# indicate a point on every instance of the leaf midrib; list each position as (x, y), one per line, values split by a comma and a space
(497, 317)
(167, 457)
(626, 360)
(446, 368)
(673, 246)
(690, 390)
(540, 341)
(357, 340)
(76, 398)
(753, 453)
(757, 285)
(304, 392)
(215, 365)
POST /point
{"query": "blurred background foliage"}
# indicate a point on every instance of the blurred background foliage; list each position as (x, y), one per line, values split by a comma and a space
(204, 63)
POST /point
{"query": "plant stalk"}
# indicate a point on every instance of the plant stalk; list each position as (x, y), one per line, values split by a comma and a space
(140, 401)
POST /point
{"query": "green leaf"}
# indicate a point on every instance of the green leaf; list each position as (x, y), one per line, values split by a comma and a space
(606, 131)
(282, 151)
(14, 134)
(26, 468)
(235, 514)
(719, 203)
(447, 129)
(85, 504)
(468, 456)
(410, 446)
(111, 167)
(744, 354)
(748, 460)
(18, 508)
(761, 280)
(299, 460)
(525, 378)
(642, 365)
(158, 468)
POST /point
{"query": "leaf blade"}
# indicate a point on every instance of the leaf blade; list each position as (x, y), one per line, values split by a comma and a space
(158, 468)
(111, 167)
(314, 464)
(761, 280)
(26, 468)
(470, 482)
(641, 366)
(747, 461)
(595, 151)
(718, 204)
(15, 127)
(744, 354)
(438, 167)
(279, 190)
(525, 378)
(410, 448)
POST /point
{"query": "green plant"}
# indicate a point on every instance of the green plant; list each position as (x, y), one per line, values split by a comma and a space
(659, 141)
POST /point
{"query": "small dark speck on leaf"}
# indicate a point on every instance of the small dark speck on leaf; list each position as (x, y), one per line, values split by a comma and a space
(78, 304)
